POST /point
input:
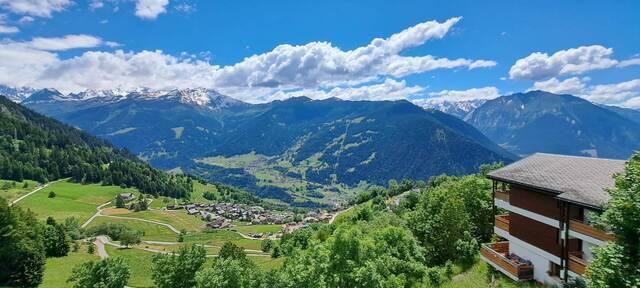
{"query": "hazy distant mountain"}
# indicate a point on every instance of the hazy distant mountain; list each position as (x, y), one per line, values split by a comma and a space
(631, 114)
(538, 121)
(459, 109)
(324, 142)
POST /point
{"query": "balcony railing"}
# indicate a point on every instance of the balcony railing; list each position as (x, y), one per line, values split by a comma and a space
(497, 255)
(502, 195)
(590, 231)
(502, 222)
(576, 263)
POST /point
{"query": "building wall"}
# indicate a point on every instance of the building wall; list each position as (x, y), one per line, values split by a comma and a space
(534, 201)
(535, 233)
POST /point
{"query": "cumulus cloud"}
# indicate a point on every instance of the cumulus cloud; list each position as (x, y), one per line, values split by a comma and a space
(573, 85)
(7, 29)
(320, 64)
(150, 9)
(572, 61)
(38, 8)
(484, 93)
(317, 68)
(621, 94)
(390, 89)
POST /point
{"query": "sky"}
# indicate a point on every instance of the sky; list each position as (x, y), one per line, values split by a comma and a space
(259, 51)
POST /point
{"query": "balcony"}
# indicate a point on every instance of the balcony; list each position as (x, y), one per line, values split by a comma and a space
(502, 195)
(497, 255)
(502, 222)
(584, 229)
(576, 263)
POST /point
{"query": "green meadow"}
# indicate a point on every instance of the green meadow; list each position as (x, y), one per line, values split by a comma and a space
(72, 199)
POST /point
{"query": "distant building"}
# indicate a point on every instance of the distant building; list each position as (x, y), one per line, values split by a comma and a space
(127, 196)
(546, 234)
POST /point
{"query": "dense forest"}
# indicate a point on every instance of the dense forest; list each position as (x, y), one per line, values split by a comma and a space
(39, 148)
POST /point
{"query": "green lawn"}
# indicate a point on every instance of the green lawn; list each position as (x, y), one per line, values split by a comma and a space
(139, 265)
(219, 237)
(11, 190)
(72, 199)
(476, 277)
(152, 232)
(268, 263)
(58, 270)
(178, 219)
(199, 189)
(246, 228)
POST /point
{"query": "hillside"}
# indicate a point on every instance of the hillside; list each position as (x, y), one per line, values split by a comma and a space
(39, 148)
(537, 121)
(298, 150)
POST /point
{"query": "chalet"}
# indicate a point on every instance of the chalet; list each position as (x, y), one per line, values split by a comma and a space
(543, 206)
(127, 196)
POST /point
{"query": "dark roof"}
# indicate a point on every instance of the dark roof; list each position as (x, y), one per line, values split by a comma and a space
(580, 180)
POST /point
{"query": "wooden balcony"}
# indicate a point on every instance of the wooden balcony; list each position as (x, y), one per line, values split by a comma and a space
(576, 263)
(582, 228)
(497, 255)
(502, 195)
(502, 222)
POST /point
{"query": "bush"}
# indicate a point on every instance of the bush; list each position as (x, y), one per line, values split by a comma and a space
(267, 245)
(52, 194)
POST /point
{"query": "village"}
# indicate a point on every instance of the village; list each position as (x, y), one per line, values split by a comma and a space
(224, 215)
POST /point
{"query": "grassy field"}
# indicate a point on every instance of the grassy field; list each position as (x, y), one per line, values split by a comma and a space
(58, 270)
(151, 231)
(219, 237)
(268, 263)
(72, 199)
(476, 277)
(246, 228)
(139, 264)
(11, 190)
(178, 219)
(198, 191)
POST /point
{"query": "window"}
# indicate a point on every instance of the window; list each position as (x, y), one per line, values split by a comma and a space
(554, 269)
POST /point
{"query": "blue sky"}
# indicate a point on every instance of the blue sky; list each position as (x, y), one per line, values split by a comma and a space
(592, 47)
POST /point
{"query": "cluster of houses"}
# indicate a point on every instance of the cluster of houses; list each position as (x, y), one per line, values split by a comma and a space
(222, 215)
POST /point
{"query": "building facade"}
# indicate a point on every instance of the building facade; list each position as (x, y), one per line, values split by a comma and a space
(544, 205)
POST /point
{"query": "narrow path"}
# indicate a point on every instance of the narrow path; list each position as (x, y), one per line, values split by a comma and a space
(338, 213)
(98, 213)
(36, 190)
(99, 242)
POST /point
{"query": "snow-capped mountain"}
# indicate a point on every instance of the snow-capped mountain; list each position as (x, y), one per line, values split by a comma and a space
(16, 94)
(46, 95)
(459, 109)
(202, 97)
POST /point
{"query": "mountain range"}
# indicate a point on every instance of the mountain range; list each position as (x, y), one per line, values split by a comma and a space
(538, 121)
(299, 151)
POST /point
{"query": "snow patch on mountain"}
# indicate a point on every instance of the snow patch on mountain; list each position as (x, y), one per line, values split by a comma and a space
(456, 108)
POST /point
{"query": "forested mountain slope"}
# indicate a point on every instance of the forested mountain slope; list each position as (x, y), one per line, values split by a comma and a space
(37, 147)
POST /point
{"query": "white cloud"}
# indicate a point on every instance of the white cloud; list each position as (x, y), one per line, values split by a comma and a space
(65, 43)
(38, 8)
(620, 94)
(8, 29)
(388, 90)
(573, 85)
(484, 93)
(320, 64)
(317, 67)
(629, 62)
(26, 20)
(572, 61)
(150, 9)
